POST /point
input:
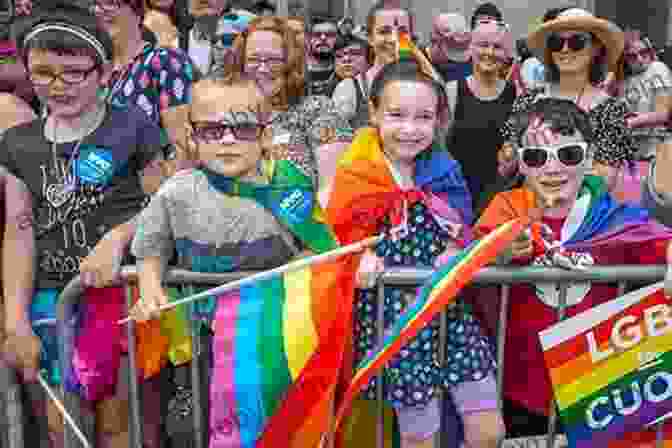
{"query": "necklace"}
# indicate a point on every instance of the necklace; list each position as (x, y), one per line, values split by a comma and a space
(67, 183)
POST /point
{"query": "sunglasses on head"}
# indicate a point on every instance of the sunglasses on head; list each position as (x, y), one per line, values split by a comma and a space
(214, 132)
(575, 42)
(572, 154)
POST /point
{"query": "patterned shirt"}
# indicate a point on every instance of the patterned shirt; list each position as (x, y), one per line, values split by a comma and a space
(156, 80)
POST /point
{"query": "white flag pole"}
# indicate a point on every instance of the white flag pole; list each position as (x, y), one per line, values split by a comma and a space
(265, 275)
(64, 412)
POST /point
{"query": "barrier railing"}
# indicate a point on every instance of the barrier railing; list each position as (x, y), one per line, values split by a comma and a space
(498, 276)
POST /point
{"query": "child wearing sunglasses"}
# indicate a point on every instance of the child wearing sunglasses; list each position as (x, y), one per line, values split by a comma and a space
(224, 215)
(578, 229)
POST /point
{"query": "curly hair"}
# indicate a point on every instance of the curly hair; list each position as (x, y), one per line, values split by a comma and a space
(294, 68)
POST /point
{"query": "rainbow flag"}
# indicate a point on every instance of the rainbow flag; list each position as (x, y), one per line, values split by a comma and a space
(611, 367)
(405, 51)
(265, 334)
(439, 291)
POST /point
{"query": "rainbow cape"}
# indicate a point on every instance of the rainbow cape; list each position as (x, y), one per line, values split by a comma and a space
(604, 222)
(609, 380)
(365, 192)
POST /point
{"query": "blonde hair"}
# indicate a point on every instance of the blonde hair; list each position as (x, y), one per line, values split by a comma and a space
(211, 89)
(293, 72)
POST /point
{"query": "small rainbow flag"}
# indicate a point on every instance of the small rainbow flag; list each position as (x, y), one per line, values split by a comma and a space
(405, 49)
(439, 291)
(611, 367)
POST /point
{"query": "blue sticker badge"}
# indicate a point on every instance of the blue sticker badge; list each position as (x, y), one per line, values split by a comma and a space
(95, 165)
(296, 205)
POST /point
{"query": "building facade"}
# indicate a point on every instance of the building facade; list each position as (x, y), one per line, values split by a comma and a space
(650, 16)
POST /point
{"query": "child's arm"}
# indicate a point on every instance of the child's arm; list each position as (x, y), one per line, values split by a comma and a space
(152, 246)
(102, 266)
(152, 294)
(21, 347)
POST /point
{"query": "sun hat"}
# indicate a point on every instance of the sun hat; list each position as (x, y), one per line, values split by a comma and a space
(577, 19)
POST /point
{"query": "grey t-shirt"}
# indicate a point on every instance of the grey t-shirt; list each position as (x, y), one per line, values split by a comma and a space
(641, 92)
(190, 215)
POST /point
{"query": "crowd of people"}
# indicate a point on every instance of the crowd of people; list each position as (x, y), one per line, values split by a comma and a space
(127, 137)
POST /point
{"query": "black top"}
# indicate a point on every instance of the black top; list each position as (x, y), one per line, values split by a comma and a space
(475, 137)
(106, 176)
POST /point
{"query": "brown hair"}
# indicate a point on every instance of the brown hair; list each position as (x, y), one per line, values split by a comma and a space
(382, 5)
(294, 68)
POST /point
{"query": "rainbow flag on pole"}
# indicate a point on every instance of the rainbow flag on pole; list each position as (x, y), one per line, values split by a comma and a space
(611, 367)
(439, 291)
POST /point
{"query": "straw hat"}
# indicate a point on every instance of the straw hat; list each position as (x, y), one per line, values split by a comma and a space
(577, 19)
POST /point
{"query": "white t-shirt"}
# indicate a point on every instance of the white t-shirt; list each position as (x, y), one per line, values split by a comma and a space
(641, 90)
(344, 97)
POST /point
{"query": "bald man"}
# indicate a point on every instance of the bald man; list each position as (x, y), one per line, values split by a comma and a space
(449, 48)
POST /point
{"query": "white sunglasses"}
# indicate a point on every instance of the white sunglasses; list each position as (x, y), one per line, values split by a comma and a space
(569, 154)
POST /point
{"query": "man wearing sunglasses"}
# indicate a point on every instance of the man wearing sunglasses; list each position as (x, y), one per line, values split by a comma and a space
(576, 229)
(320, 58)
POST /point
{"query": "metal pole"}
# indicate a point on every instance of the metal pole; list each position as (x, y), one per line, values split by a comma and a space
(501, 340)
(196, 394)
(135, 431)
(443, 356)
(552, 415)
(380, 389)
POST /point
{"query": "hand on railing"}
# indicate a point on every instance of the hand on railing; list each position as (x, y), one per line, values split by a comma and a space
(370, 268)
(102, 267)
(21, 350)
(149, 305)
(521, 248)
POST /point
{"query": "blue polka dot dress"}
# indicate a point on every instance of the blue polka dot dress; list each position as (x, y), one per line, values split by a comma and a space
(412, 377)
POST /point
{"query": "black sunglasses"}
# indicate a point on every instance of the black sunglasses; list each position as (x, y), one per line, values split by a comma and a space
(213, 132)
(576, 42)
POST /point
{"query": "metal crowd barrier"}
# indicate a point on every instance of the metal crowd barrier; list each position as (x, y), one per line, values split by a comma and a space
(494, 276)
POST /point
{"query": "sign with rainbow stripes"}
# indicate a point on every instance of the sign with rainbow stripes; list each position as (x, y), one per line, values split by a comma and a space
(611, 367)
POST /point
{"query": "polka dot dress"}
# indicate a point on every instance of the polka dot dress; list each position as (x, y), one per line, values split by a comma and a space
(613, 142)
(412, 377)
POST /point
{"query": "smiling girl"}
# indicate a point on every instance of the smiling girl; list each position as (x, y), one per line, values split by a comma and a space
(396, 169)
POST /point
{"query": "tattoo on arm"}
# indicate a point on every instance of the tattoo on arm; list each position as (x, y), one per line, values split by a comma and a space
(18, 204)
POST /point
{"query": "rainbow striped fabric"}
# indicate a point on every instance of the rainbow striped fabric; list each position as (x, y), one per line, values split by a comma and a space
(405, 51)
(611, 367)
(439, 291)
(279, 345)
